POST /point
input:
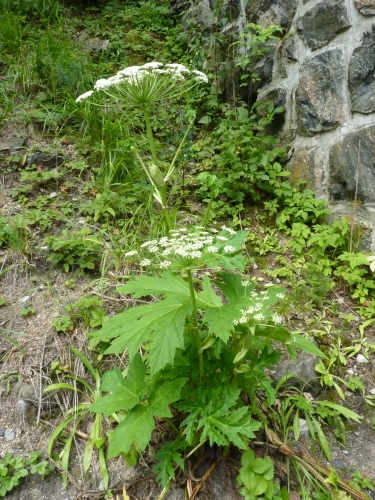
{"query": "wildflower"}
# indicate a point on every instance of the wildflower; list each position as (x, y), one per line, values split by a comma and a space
(212, 249)
(145, 262)
(259, 316)
(149, 83)
(164, 264)
(280, 295)
(277, 319)
(229, 249)
(246, 283)
(85, 95)
(132, 252)
(222, 238)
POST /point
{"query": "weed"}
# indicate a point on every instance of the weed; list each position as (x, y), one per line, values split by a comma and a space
(95, 440)
(13, 469)
(27, 311)
(74, 249)
(192, 340)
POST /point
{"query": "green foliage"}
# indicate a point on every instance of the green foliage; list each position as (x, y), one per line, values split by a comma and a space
(256, 478)
(27, 311)
(14, 232)
(14, 469)
(193, 339)
(74, 249)
(239, 160)
(89, 388)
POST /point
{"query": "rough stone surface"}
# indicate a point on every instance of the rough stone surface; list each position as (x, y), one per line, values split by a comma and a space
(11, 143)
(319, 95)
(47, 160)
(303, 367)
(200, 15)
(267, 12)
(362, 75)
(278, 97)
(323, 22)
(92, 44)
(307, 165)
(366, 7)
(344, 166)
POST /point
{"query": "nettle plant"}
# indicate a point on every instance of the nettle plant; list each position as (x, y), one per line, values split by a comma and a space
(143, 86)
(194, 352)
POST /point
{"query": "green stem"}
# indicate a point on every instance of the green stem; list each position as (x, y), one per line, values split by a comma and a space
(208, 209)
(150, 135)
(162, 190)
(167, 215)
(195, 325)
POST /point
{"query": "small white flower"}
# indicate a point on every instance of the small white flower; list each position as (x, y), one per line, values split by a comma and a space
(213, 230)
(212, 249)
(145, 262)
(153, 249)
(259, 317)
(200, 77)
(164, 264)
(277, 319)
(132, 252)
(280, 295)
(229, 249)
(149, 243)
(235, 322)
(246, 283)
(196, 254)
(84, 96)
(153, 65)
(221, 238)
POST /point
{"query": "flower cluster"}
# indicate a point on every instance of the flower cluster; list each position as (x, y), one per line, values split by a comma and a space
(148, 83)
(187, 249)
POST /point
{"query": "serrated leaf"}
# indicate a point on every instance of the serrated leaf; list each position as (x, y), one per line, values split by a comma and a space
(164, 319)
(168, 393)
(231, 285)
(208, 297)
(220, 319)
(126, 393)
(167, 456)
(138, 426)
(167, 284)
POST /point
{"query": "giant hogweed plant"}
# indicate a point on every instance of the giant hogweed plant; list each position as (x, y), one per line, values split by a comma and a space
(194, 352)
(144, 86)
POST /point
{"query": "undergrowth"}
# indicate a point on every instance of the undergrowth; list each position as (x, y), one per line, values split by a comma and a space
(217, 304)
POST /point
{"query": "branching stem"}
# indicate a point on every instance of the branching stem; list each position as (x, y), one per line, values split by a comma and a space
(196, 325)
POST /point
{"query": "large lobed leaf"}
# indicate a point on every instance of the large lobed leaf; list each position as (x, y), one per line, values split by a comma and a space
(139, 423)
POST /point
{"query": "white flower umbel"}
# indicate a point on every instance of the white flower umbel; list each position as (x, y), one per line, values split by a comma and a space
(149, 83)
(188, 249)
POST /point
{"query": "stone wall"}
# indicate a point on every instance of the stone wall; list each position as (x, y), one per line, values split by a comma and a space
(324, 75)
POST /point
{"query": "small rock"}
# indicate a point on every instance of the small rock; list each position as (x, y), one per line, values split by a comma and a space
(25, 299)
(372, 391)
(338, 464)
(53, 195)
(255, 266)
(350, 371)
(361, 359)
(9, 435)
(26, 391)
(47, 160)
(2, 432)
(303, 428)
(303, 368)
(345, 452)
(11, 143)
